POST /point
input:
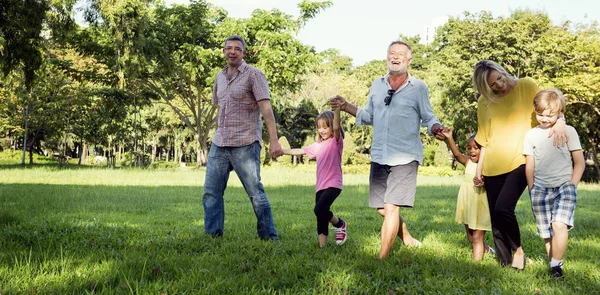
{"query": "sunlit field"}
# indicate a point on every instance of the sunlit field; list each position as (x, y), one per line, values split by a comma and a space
(122, 231)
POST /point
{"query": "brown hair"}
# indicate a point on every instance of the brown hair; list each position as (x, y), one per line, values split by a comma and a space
(551, 99)
(327, 117)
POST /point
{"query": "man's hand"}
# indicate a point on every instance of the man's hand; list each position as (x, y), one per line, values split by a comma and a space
(275, 150)
(437, 129)
(337, 102)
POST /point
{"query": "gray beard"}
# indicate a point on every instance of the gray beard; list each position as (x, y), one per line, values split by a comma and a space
(396, 73)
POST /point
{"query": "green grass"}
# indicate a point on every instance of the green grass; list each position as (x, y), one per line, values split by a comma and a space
(101, 231)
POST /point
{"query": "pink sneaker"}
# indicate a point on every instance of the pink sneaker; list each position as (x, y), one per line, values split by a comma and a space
(340, 234)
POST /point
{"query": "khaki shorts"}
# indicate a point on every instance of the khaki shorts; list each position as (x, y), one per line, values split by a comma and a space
(393, 184)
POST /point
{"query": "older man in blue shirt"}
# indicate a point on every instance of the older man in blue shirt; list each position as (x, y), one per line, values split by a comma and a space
(398, 105)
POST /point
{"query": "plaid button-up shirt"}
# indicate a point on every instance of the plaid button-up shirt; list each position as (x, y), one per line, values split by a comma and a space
(239, 116)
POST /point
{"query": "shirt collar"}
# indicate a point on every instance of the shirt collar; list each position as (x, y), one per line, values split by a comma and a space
(410, 79)
(241, 68)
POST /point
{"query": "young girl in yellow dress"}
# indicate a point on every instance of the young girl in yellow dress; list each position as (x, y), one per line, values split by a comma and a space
(472, 208)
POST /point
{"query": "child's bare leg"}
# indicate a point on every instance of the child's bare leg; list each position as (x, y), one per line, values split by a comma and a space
(548, 243)
(322, 240)
(334, 220)
(559, 240)
(478, 246)
(469, 233)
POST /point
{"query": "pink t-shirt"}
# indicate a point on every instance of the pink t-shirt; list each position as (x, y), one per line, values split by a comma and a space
(329, 162)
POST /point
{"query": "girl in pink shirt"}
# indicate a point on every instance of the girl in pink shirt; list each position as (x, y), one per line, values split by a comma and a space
(328, 152)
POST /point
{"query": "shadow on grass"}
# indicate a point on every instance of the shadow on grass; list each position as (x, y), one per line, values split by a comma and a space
(139, 239)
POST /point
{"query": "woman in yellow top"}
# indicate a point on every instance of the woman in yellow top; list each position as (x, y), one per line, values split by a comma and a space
(504, 114)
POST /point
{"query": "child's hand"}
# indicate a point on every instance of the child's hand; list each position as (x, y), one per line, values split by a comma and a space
(478, 181)
(447, 132)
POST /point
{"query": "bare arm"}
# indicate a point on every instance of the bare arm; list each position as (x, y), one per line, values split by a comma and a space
(529, 170)
(339, 102)
(267, 113)
(294, 152)
(559, 131)
(447, 132)
(478, 179)
(336, 124)
(578, 166)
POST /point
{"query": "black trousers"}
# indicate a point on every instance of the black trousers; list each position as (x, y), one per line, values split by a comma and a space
(503, 192)
(322, 210)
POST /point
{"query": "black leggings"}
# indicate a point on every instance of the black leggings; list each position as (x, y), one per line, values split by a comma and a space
(323, 203)
(503, 192)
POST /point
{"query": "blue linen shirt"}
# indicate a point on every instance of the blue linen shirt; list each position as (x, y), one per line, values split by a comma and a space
(396, 131)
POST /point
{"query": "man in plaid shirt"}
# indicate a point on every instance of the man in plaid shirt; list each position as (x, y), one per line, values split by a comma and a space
(242, 94)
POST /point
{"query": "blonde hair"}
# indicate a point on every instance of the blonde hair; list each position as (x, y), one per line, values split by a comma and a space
(327, 117)
(551, 99)
(482, 72)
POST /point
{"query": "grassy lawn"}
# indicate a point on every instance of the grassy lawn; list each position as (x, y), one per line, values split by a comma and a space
(100, 231)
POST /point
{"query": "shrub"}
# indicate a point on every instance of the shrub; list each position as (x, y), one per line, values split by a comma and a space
(439, 171)
(159, 165)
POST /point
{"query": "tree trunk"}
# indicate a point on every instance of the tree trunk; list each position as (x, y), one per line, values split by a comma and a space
(154, 150)
(595, 160)
(202, 154)
(84, 152)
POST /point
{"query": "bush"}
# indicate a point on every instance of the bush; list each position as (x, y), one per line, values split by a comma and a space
(439, 171)
(159, 165)
(14, 157)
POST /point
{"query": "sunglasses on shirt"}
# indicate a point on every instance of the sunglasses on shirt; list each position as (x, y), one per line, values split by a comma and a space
(388, 98)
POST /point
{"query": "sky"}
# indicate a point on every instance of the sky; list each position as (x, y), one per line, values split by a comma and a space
(363, 29)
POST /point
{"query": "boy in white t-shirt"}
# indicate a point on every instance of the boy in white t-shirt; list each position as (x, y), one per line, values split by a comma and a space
(553, 173)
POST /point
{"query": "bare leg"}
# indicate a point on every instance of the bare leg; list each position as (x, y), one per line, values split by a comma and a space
(469, 233)
(322, 240)
(478, 246)
(389, 229)
(548, 243)
(559, 240)
(403, 232)
(334, 220)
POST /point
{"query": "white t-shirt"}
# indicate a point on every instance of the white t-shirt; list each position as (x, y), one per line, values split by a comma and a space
(553, 164)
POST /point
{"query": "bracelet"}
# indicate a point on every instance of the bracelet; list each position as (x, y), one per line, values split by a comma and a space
(562, 116)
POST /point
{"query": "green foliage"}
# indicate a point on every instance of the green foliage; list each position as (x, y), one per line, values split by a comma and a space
(295, 123)
(310, 9)
(162, 165)
(526, 44)
(21, 27)
(445, 170)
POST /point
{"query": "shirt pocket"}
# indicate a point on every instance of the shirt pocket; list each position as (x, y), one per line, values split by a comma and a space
(404, 119)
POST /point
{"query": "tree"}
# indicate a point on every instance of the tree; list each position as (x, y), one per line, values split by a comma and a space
(188, 41)
(526, 44)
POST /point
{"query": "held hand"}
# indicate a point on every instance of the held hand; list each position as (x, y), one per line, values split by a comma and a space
(436, 129)
(478, 181)
(337, 102)
(275, 150)
(447, 132)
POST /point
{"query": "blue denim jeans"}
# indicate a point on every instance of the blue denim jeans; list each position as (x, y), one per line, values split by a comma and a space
(245, 161)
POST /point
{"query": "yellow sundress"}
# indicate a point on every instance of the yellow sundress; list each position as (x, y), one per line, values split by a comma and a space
(472, 206)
